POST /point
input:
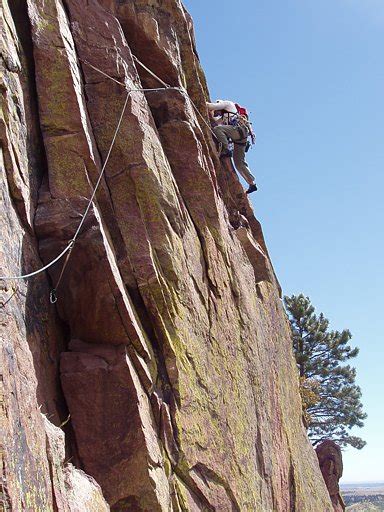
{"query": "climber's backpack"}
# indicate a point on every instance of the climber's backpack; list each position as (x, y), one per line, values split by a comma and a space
(242, 120)
(242, 111)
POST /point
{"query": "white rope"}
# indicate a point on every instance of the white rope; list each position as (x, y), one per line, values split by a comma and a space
(53, 297)
(104, 166)
(102, 72)
(150, 72)
(139, 89)
(199, 113)
(167, 86)
(72, 242)
(180, 89)
(8, 278)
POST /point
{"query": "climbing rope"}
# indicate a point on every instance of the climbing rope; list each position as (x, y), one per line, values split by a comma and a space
(181, 89)
(53, 296)
(150, 72)
(52, 293)
(166, 86)
(139, 89)
(102, 72)
(24, 276)
(68, 249)
(199, 113)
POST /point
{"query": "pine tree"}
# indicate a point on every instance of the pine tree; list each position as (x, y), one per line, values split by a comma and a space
(330, 397)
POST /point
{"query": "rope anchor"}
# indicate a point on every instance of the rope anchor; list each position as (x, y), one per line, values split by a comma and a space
(52, 296)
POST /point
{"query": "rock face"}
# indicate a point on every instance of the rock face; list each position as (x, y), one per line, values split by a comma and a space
(331, 465)
(165, 366)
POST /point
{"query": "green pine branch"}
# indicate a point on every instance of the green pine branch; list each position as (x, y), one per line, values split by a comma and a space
(330, 397)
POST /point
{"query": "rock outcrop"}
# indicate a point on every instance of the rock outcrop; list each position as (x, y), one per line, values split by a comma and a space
(331, 465)
(162, 379)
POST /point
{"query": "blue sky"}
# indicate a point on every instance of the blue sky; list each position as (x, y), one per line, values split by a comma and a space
(312, 75)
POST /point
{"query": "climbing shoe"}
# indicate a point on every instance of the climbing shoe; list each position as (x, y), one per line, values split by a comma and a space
(226, 154)
(252, 188)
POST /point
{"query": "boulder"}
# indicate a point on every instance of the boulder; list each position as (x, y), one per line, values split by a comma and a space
(331, 465)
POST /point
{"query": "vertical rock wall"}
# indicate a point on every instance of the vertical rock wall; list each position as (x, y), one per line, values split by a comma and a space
(166, 359)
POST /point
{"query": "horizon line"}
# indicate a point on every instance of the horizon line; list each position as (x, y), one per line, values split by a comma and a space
(363, 482)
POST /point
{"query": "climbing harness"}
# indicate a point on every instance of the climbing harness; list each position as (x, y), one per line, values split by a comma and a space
(244, 127)
(240, 121)
(68, 249)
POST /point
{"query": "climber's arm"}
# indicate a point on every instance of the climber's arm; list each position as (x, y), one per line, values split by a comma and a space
(219, 105)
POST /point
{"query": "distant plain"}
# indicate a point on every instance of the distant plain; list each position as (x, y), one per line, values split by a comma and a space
(363, 497)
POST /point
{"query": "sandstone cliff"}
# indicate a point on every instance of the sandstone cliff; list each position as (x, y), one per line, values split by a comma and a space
(162, 379)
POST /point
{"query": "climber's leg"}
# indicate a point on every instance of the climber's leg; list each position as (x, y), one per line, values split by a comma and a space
(241, 165)
(223, 134)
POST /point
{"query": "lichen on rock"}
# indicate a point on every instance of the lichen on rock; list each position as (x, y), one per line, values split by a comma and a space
(164, 371)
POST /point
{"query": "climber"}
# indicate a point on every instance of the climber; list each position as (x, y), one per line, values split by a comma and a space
(232, 125)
